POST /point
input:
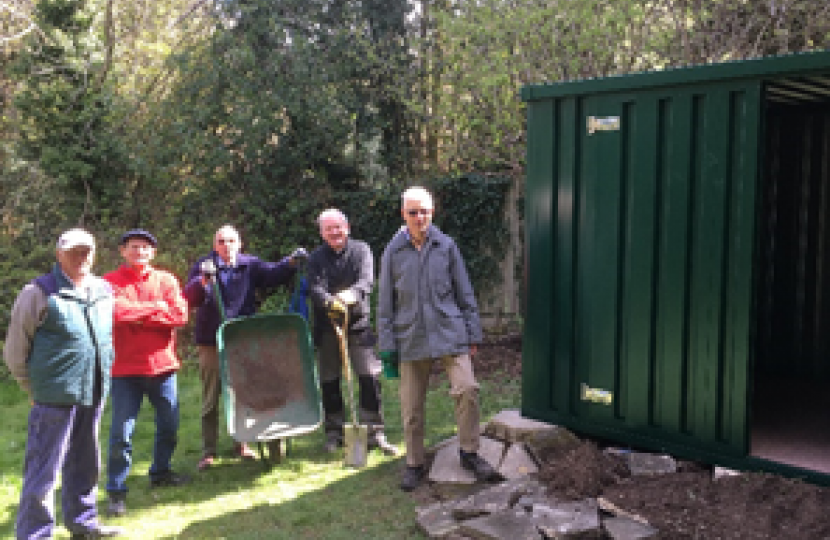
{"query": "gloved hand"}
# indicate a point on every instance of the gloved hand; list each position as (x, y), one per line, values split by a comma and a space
(336, 308)
(298, 255)
(390, 364)
(346, 296)
(208, 270)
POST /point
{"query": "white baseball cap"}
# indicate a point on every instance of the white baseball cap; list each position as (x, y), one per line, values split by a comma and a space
(75, 237)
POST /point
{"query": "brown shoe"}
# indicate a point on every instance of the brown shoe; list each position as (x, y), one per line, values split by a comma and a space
(206, 462)
(243, 451)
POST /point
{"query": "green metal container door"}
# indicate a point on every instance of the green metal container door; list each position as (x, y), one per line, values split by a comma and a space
(640, 224)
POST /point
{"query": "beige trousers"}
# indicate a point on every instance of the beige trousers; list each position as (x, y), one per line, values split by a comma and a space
(413, 391)
(211, 390)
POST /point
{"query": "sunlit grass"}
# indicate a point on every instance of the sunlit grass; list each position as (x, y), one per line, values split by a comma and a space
(309, 495)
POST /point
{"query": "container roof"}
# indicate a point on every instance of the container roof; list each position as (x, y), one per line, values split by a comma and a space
(794, 78)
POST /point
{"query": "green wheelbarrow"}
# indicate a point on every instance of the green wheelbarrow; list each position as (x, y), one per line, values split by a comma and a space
(269, 378)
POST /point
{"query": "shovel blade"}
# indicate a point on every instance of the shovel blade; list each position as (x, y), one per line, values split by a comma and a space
(356, 440)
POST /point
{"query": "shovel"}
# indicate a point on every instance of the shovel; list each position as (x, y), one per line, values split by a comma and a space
(355, 436)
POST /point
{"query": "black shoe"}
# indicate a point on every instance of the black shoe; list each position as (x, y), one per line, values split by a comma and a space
(412, 477)
(117, 505)
(100, 531)
(275, 450)
(378, 440)
(482, 470)
(333, 443)
(168, 479)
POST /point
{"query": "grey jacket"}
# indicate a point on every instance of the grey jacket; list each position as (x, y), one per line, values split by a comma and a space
(426, 304)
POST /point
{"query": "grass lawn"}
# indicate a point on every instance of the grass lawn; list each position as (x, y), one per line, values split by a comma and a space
(309, 495)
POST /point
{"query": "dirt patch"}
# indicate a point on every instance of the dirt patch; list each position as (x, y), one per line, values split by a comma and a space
(266, 370)
(689, 504)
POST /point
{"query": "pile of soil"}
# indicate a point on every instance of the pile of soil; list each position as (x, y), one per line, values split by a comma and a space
(687, 504)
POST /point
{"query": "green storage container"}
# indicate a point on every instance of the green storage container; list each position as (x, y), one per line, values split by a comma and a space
(678, 261)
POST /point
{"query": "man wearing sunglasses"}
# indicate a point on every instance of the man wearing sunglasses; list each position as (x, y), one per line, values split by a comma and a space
(239, 277)
(427, 312)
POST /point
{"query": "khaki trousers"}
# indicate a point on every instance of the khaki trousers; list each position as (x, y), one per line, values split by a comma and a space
(413, 391)
(211, 390)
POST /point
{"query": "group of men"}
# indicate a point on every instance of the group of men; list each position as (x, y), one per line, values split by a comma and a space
(73, 338)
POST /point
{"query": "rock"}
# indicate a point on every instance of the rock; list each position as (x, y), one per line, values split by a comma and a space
(436, 520)
(621, 528)
(509, 425)
(721, 472)
(506, 525)
(609, 507)
(497, 498)
(517, 462)
(640, 463)
(446, 467)
(567, 519)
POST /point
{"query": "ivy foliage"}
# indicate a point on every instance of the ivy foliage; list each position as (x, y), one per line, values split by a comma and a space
(469, 208)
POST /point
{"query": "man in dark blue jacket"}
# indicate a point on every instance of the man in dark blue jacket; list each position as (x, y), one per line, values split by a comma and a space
(59, 348)
(239, 277)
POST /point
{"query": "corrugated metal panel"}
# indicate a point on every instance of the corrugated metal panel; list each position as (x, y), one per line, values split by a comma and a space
(643, 319)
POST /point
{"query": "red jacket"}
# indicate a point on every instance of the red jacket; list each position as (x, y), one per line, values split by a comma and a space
(148, 309)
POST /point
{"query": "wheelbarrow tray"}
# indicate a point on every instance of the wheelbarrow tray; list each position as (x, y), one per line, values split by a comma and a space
(269, 377)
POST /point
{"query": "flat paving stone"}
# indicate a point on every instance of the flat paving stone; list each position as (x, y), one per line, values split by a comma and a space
(509, 425)
(621, 528)
(517, 462)
(497, 498)
(567, 518)
(640, 463)
(506, 525)
(446, 467)
(436, 520)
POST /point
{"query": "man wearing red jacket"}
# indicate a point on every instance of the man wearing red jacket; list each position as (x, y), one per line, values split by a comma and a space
(149, 306)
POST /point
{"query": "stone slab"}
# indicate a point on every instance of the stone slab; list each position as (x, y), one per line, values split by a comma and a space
(507, 525)
(621, 528)
(497, 498)
(509, 425)
(607, 506)
(640, 463)
(721, 472)
(436, 520)
(446, 467)
(565, 519)
(517, 462)
(526, 502)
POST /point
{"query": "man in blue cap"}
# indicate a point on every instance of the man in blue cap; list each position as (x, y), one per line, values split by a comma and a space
(149, 306)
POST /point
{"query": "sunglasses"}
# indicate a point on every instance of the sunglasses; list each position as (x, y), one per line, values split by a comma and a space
(422, 211)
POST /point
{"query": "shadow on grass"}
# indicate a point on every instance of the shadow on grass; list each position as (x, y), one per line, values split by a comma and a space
(365, 504)
(308, 495)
